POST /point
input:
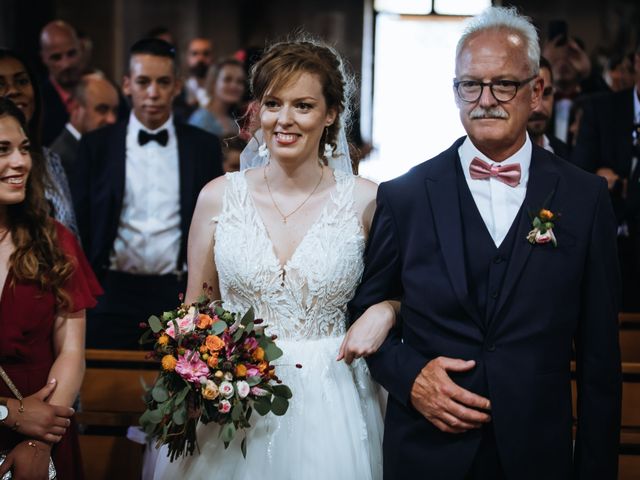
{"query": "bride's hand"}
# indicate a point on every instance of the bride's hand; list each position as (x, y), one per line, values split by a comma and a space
(368, 332)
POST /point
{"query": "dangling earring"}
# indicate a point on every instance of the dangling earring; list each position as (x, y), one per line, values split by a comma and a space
(263, 151)
(328, 149)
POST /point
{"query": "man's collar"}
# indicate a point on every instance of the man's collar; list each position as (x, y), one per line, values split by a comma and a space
(468, 151)
(73, 131)
(137, 125)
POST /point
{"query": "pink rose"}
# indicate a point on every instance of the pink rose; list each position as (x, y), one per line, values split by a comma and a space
(185, 324)
(190, 367)
(250, 344)
(243, 388)
(253, 372)
(224, 406)
(226, 389)
(259, 392)
(546, 237)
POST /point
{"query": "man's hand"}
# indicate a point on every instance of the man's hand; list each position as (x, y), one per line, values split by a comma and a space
(449, 407)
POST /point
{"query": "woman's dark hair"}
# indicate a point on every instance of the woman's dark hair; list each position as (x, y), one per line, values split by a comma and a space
(37, 256)
(34, 124)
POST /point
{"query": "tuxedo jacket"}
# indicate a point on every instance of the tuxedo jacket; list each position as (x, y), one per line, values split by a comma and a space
(66, 146)
(551, 297)
(560, 148)
(54, 113)
(98, 184)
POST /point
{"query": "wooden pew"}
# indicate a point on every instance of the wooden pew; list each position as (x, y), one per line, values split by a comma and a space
(110, 402)
(630, 337)
(629, 458)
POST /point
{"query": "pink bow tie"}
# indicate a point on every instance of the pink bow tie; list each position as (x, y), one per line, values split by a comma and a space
(507, 174)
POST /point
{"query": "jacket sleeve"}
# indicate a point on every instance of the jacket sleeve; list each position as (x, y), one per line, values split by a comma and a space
(80, 185)
(598, 353)
(395, 365)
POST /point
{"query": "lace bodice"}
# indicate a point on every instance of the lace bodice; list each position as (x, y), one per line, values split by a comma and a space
(310, 300)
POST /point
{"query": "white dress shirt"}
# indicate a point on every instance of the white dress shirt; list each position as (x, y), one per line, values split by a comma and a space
(148, 238)
(497, 202)
(73, 131)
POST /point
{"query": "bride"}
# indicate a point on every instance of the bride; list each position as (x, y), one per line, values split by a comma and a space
(287, 237)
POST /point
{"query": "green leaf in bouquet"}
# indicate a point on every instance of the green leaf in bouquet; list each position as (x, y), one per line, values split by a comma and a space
(253, 381)
(218, 327)
(147, 337)
(152, 416)
(238, 334)
(243, 447)
(182, 395)
(248, 318)
(236, 412)
(272, 352)
(155, 324)
(262, 405)
(202, 299)
(166, 316)
(180, 415)
(159, 392)
(218, 310)
(537, 222)
(282, 391)
(279, 406)
(249, 327)
(228, 432)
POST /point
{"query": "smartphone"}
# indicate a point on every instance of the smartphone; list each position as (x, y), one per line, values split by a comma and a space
(558, 28)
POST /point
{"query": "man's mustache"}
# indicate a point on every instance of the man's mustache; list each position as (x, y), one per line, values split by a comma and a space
(493, 112)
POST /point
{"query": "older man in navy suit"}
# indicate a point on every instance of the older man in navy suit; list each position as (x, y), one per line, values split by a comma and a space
(134, 188)
(504, 257)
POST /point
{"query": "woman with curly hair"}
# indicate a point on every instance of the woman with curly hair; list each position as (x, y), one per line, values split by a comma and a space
(46, 284)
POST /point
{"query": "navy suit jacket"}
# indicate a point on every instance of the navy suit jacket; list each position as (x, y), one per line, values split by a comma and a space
(98, 183)
(551, 297)
(54, 113)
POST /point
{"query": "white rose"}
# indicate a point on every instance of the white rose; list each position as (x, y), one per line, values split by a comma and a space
(243, 388)
(228, 376)
(226, 389)
(224, 406)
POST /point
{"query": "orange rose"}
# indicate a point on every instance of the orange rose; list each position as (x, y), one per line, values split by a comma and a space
(241, 371)
(203, 349)
(214, 343)
(263, 366)
(204, 321)
(258, 354)
(212, 361)
(163, 339)
(545, 215)
(169, 363)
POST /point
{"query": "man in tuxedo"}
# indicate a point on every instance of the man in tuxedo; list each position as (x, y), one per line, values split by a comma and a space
(95, 104)
(60, 51)
(541, 116)
(478, 363)
(134, 188)
(608, 144)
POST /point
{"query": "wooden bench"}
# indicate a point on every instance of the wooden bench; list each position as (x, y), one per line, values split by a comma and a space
(110, 402)
(630, 337)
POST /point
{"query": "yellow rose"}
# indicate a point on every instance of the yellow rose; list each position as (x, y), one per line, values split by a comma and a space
(163, 339)
(169, 363)
(214, 343)
(241, 371)
(219, 374)
(258, 354)
(210, 391)
(204, 321)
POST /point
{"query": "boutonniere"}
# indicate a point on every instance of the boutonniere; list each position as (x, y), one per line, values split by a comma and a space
(542, 231)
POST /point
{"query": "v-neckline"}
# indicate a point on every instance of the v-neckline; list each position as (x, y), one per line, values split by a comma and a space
(283, 267)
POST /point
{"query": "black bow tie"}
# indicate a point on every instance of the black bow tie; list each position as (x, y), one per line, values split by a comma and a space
(162, 137)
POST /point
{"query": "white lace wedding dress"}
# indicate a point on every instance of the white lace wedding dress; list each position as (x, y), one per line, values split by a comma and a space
(333, 429)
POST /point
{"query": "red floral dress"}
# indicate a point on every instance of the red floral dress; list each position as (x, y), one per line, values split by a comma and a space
(27, 316)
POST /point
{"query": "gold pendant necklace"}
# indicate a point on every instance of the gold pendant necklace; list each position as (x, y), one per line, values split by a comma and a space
(284, 217)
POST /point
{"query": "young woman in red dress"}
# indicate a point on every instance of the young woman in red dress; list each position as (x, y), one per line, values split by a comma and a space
(45, 284)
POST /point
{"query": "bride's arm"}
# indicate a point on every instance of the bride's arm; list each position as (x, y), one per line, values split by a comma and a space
(366, 334)
(200, 261)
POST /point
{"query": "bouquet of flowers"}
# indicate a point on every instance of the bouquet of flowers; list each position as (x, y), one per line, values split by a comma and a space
(216, 367)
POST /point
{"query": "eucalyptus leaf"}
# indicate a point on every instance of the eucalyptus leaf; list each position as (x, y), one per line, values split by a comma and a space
(238, 334)
(272, 352)
(236, 412)
(154, 416)
(155, 324)
(182, 395)
(279, 406)
(248, 317)
(262, 405)
(218, 327)
(228, 432)
(180, 415)
(160, 393)
(282, 391)
(253, 381)
(243, 447)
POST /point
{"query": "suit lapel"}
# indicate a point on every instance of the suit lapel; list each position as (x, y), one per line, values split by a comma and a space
(442, 189)
(541, 188)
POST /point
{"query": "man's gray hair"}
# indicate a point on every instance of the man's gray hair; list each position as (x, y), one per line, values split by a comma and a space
(508, 18)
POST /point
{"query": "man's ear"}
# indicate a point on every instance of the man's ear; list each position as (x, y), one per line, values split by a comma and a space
(536, 92)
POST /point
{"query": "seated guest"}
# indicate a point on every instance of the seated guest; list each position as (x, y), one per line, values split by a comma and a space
(541, 115)
(17, 83)
(47, 286)
(226, 87)
(134, 187)
(95, 104)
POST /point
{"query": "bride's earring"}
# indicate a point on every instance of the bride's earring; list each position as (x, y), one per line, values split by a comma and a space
(263, 151)
(328, 149)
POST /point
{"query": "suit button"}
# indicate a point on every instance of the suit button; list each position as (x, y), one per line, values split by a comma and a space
(491, 348)
(495, 294)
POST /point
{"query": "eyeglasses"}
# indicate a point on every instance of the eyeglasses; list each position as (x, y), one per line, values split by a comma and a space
(502, 90)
